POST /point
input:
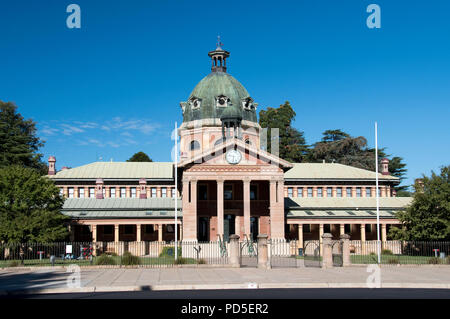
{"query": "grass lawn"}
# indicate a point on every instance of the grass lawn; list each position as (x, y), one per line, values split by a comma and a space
(393, 259)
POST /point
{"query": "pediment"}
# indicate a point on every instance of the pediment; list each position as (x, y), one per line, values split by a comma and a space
(250, 156)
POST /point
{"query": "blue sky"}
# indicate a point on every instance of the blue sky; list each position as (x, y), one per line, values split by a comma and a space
(113, 87)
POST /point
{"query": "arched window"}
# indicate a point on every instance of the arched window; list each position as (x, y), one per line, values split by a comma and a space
(194, 145)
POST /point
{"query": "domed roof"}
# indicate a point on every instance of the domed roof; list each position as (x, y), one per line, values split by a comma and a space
(217, 93)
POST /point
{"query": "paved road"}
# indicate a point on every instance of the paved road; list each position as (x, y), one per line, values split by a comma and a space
(313, 293)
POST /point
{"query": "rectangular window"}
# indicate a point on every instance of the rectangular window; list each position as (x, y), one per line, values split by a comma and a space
(61, 191)
(329, 192)
(91, 192)
(81, 192)
(310, 192)
(112, 192)
(228, 191)
(153, 191)
(290, 192)
(379, 192)
(300, 191)
(368, 192)
(339, 192)
(349, 192)
(253, 192)
(123, 192)
(104, 192)
(133, 192)
(358, 191)
(70, 192)
(164, 192)
(320, 192)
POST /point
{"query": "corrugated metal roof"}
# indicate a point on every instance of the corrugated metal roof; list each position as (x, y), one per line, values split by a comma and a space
(119, 170)
(345, 202)
(125, 204)
(331, 171)
(122, 214)
(339, 214)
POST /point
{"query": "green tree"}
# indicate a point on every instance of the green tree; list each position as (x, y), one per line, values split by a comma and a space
(333, 135)
(428, 216)
(30, 207)
(292, 144)
(19, 144)
(140, 157)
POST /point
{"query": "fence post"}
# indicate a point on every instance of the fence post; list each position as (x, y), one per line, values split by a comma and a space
(235, 260)
(345, 244)
(327, 258)
(263, 254)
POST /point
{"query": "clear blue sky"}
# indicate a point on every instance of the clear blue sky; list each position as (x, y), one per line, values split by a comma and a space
(113, 87)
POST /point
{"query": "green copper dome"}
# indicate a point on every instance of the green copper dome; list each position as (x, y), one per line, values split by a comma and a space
(219, 94)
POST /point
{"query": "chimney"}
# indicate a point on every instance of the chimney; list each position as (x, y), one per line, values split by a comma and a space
(99, 183)
(51, 165)
(385, 166)
(143, 189)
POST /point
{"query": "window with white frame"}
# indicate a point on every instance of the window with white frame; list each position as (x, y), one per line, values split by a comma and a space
(300, 192)
(310, 192)
(112, 192)
(91, 192)
(70, 192)
(368, 192)
(133, 192)
(358, 191)
(329, 192)
(61, 191)
(81, 192)
(123, 192)
(153, 193)
(164, 192)
(319, 192)
(339, 192)
(349, 192)
(104, 192)
(290, 192)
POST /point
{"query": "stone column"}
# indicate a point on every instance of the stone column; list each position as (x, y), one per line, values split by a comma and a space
(158, 191)
(320, 239)
(334, 191)
(315, 191)
(263, 252)
(138, 232)
(373, 192)
(127, 192)
(363, 239)
(383, 191)
(295, 192)
(363, 191)
(353, 191)
(116, 233)
(327, 256)
(220, 208)
(235, 259)
(383, 236)
(247, 207)
(94, 233)
(160, 232)
(276, 209)
(345, 244)
(300, 235)
(342, 229)
(189, 209)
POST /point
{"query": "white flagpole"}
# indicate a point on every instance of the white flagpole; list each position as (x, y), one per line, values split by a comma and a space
(376, 192)
(176, 191)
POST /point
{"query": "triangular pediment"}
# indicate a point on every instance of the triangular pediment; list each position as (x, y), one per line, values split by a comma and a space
(250, 155)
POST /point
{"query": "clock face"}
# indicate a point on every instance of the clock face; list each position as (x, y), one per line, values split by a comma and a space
(233, 157)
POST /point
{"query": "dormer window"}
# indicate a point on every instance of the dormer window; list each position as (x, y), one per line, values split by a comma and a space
(195, 102)
(222, 101)
(247, 104)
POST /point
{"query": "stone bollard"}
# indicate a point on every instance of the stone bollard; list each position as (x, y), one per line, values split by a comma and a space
(235, 258)
(327, 257)
(263, 252)
(345, 244)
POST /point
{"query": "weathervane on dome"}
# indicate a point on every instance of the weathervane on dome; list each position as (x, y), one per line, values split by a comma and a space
(219, 43)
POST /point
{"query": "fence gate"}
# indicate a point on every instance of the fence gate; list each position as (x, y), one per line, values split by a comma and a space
(336, 248)
(249, 253)
(311, 253)
(283, 253)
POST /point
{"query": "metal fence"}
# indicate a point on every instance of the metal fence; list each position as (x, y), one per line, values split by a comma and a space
(400, 252)
(113, 254)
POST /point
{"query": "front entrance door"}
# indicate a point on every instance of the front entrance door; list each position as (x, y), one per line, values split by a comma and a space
(203, 227)
(228, 226)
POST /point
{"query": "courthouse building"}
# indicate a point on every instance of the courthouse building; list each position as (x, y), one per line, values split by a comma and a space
(227, 183)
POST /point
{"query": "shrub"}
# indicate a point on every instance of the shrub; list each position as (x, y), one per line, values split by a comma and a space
(386, 252)
(13, 263)
(180, 261)
(105, 259)
(169, 252)
(434, 260)
(447, 260)
(201, 261)
(393, 261)
(129, 259)
(372, 254)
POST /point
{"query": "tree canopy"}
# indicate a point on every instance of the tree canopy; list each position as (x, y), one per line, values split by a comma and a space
(428, 216)
(19, 144)
(140, 157)
(30, 207)
(292, 144)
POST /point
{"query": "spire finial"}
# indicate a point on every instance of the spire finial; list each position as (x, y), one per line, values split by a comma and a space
(219, 44)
